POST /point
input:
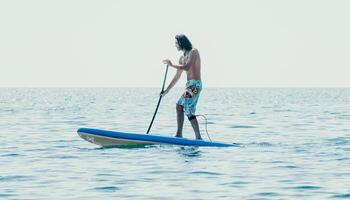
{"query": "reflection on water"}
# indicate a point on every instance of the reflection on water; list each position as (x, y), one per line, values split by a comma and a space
(189, 151)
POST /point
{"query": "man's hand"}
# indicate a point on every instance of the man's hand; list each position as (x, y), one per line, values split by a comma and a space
(163, 93)
(168, 62)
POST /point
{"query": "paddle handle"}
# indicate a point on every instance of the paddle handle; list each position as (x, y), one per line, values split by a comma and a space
(160, 99)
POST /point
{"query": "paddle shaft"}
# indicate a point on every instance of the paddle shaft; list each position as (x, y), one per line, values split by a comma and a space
(160, 99)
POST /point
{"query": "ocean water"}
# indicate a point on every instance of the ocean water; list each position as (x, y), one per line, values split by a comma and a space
(295, 144)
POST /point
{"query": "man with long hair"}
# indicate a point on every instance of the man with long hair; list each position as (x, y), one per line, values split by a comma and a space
(191, 63)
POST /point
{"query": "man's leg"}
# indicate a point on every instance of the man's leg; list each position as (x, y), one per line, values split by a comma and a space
(180, 120)
(195, 127)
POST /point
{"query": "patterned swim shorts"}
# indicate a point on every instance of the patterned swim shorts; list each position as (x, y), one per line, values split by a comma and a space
(190, 97)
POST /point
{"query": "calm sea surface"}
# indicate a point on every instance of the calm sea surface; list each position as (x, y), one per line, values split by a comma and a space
(295, 144)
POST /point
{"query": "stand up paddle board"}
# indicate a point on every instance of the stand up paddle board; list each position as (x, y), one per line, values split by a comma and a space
(106, 138)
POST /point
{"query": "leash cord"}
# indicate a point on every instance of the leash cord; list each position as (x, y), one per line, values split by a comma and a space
(206, 125)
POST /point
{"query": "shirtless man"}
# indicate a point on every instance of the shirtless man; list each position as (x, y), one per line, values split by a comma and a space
(191, 63)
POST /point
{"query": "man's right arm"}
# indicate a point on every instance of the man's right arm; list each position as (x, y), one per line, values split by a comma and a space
(190, 61)
(174, 81)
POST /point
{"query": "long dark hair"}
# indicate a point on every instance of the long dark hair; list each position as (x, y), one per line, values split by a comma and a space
(184, 42)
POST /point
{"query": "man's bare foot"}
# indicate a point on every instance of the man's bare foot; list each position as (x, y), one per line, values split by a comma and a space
(179, 136)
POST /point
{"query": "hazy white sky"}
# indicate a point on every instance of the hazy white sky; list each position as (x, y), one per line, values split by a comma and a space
(246, 43)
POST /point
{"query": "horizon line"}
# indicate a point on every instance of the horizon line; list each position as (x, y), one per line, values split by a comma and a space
(209, 87)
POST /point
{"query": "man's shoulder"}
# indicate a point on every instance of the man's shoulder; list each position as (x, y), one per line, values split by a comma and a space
(194, 51)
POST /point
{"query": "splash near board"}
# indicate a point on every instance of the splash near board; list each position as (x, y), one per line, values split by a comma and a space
(107, 138)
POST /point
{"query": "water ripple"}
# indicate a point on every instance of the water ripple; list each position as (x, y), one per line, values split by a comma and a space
(207, 173)
(16, 178)
(342, 196)
(306, 187)
(268, 194)
(107, 188)
(242, 126)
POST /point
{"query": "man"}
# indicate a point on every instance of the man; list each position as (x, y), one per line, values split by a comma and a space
(191, 63)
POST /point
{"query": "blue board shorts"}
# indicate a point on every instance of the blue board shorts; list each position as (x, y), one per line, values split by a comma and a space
(190, 97)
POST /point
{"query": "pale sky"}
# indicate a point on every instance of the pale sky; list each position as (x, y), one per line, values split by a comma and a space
(246, 43)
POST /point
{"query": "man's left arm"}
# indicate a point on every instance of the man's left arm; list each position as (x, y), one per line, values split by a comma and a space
(186, 66)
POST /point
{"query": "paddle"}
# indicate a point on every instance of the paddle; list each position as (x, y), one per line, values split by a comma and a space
(160, 98)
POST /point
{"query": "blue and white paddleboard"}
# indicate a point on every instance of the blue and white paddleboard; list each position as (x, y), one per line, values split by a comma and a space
(106, 138)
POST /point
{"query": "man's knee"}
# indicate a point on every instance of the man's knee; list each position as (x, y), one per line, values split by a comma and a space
(192, 117)
(179, 108)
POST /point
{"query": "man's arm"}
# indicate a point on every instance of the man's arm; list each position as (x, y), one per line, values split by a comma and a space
(174, 81)
(185, 66)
